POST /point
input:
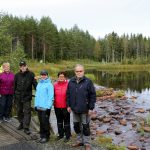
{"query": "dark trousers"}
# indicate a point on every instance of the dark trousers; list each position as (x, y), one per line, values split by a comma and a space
(24, 113)
(44, 123)
(5, 106)
(63, 122)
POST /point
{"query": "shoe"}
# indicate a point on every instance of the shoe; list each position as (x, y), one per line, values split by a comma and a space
(59, 138)
(77, 144)
(38, 140)
(1, 120)
(20, 126)
(27, 131)
(43, 140)
(87, 147)
(66, 140)
(7, 119)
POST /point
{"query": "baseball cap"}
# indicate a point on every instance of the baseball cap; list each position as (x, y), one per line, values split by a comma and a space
(22, 63)
(44, 72)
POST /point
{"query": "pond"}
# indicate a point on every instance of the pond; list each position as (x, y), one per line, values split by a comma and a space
(134, 83)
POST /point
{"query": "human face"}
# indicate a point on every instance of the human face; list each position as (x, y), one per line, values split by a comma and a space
(79, 72)
(44, 76)
(6, 67)
(23, 68)
(61, 78)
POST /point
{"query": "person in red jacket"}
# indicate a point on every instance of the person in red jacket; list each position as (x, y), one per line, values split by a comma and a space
(60, 106)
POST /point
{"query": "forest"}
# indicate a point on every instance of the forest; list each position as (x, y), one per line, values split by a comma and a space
(41, 40)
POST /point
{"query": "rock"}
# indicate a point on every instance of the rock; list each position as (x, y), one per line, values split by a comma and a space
(127, 113)
(93, 126)
(110, 129)
(114, 113)
(146, 129)
(141, 110)
(99, 132)
(132, 147)
(94, 116)
(117, 132)
(106, 120)
(124, 98)
(142, 139)
(133, 97)
(126, 107)
(93, 132)
(100, 118)
(134, 124)
(123, 122)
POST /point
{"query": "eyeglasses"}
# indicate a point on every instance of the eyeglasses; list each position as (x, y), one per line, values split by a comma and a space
(43, 74)
(77, 71)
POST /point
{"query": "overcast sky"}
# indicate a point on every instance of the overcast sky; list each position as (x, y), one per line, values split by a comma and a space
(99, 17)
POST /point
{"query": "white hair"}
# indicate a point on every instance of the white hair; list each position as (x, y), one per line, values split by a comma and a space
(6, 63)
(78, 65)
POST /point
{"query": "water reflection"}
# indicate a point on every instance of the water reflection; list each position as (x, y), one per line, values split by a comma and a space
(135, 81)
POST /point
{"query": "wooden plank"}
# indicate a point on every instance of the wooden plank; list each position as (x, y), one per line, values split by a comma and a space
(6, 138)
(11, 129)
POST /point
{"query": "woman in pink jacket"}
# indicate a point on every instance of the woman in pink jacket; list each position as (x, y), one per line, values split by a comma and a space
(60, 105)
(6, 92)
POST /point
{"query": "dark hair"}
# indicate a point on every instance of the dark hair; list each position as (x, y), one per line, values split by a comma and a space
(61, 72)
(44, 72)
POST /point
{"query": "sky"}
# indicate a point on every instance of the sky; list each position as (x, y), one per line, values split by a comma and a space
(98, 17)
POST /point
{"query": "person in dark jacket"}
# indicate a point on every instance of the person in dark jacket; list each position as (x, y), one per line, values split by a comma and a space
(81, 98)
(6, 92)
(60, 105)
(24, 80)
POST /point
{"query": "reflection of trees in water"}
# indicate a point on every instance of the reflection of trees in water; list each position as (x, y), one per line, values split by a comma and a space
(135, 81)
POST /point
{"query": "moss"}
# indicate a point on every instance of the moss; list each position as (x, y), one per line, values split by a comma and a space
(91, 76)
(107, 143)
(120, 93)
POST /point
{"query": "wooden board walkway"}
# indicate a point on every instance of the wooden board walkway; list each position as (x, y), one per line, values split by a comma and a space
(6, 138)
(10, 135)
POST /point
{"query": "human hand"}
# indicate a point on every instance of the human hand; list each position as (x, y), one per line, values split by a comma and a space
(90, 112)
(37, 77)
(69, 109)
(35, 108)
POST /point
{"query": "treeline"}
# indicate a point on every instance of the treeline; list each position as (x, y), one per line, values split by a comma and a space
(40, 39)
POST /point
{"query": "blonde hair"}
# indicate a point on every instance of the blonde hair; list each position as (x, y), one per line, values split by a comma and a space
(6, 63)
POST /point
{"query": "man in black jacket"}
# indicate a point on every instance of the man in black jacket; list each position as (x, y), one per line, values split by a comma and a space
(24, 80)
(81, 98)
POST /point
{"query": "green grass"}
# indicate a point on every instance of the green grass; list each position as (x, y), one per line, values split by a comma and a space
(54, 68)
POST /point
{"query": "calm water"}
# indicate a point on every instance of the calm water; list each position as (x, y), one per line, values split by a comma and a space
(135, 83)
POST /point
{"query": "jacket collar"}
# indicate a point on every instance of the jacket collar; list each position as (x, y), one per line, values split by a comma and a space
(63, 82)
(44, 81)
(75, 79)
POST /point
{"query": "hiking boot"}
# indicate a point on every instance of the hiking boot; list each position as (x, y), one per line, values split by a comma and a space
(1, 120)
(43, 140)
(20, 126)
(27, 131)
(66, 140)
(7, 119)
(59, 138)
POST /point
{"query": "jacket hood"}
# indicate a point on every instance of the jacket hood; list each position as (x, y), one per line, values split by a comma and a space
(45, 81)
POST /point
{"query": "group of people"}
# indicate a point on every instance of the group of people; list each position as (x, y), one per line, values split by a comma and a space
(76, 96)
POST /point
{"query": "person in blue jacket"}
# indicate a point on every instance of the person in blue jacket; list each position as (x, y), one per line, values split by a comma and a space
(43, 102)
